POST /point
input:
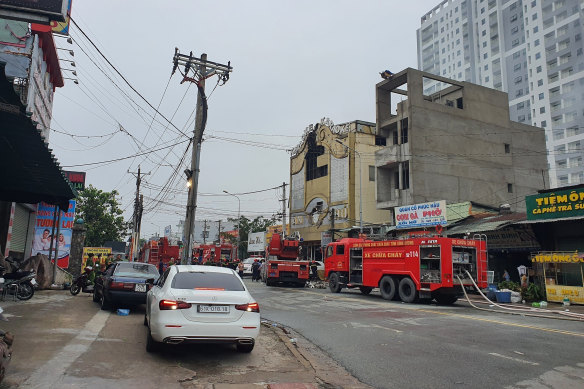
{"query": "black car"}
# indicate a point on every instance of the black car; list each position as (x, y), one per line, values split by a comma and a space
(123, 283)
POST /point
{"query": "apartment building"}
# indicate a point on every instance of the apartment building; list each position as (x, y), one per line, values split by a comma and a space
(531, 49)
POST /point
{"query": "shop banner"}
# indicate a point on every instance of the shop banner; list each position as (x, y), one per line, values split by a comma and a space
(421, 215)
(99, 253)
(256, 242)
(325, 238)
(557, 204)
(43, 229)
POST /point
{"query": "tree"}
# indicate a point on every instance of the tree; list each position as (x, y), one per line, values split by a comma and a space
(102, 216)
(247, 226)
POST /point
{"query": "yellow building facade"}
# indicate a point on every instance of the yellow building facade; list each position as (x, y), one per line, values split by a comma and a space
(329, 169)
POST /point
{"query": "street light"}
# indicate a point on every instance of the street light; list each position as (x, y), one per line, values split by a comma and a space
(360, 192)
(66, 60)
(71, 52)
(238, 218)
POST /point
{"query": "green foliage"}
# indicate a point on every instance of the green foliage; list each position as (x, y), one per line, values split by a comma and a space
(533, 292)
(514, 286)
(103, 216)
(247, 226)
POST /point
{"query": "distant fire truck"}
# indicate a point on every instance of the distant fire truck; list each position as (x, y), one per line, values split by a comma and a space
(155, 250)
(409, 269)
(214, 252)
(283, 263)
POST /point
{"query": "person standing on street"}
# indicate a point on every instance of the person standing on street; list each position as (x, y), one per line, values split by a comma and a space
(240, 268)
(160, 267)
(255, 270)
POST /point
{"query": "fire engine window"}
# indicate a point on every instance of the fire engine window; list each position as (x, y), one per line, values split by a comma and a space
(340, 249)
(329, 251)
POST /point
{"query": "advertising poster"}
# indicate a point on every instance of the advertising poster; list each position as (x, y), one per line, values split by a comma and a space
(98, 252)
(43, 231)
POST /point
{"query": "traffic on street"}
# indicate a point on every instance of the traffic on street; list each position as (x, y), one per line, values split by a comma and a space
(308, 336)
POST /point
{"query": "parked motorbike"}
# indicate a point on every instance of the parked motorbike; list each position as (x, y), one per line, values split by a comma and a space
(82, 283)
(6, 340)
(19, 282)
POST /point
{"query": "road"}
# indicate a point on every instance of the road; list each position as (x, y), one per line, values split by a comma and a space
(389, 344)
(342, 340)
(64, 341)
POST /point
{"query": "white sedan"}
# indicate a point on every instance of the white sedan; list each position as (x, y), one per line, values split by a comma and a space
(201, 304)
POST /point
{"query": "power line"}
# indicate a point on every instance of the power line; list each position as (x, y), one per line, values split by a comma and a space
(128, 157)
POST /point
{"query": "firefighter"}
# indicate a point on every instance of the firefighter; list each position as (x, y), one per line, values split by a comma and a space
(314, 270)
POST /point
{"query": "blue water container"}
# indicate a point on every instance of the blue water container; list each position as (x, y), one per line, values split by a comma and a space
(503, 297)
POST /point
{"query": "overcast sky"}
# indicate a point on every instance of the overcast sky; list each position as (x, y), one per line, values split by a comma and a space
(294, 62)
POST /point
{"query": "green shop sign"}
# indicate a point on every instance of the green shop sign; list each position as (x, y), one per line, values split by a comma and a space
(552, 205)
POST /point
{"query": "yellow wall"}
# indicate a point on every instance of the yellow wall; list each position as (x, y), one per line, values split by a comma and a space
(364, 143)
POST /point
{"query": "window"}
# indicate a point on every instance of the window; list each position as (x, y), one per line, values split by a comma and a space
(544, 124)
(484, 44)
(507, 148)
(515, 42)
(487, 67)
(535, 29)
(516, 55)
(380, 141)
(542, 110)
(517, 67)
(539, 82)
(340, 249)
(534, 17)
(509, 188)
(513, 18)
(520, 105)
(406, 175)
(371, 173)
(537, 55)
(313, 171)
(485, 56)
(514, 30)
(538, 69)
(518, 79)
(404, 135)
(536, 43)
(484, 33)
(540, 96)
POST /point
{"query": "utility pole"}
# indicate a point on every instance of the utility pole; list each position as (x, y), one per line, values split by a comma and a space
(205, 232)
(137, 218)
(201, 69)
(284, 229)
(219, 231)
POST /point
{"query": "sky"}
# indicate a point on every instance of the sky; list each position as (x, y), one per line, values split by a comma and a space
(294, 62)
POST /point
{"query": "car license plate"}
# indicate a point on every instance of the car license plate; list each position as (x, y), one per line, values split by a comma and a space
(213, 308)
(140, 287)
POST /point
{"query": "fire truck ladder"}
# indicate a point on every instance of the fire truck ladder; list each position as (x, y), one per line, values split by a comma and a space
(356, 265)
(482, 260)
(154, 254)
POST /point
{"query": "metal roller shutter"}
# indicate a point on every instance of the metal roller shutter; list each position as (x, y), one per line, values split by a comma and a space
(19, 229)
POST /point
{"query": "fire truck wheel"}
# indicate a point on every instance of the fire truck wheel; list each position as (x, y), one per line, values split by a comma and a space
(387, 287)
(407, 290)
(334, 284)
(365, 290)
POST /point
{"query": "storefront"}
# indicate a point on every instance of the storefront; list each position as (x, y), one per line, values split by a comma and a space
(563, 273)
(556, 217)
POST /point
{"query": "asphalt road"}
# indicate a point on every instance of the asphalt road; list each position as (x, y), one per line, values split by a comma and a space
(63, 341)
(389, 344)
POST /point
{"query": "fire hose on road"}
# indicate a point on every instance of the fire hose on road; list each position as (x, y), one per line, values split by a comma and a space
(534, 312)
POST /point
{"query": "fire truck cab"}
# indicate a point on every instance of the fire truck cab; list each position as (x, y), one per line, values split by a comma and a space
(407, 269)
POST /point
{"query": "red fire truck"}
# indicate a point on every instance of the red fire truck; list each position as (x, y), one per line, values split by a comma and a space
(283, 263)
(214, 252)
(409, 269)
(155, 250)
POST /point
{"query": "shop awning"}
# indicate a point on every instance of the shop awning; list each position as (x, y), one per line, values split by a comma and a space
(30, 173)
(476, 224)
(559, 219)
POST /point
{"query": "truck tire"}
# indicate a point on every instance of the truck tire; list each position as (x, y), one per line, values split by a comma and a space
(446, 299)
(365, 290)
(334, 283)
(407, 290)
(387, 287)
